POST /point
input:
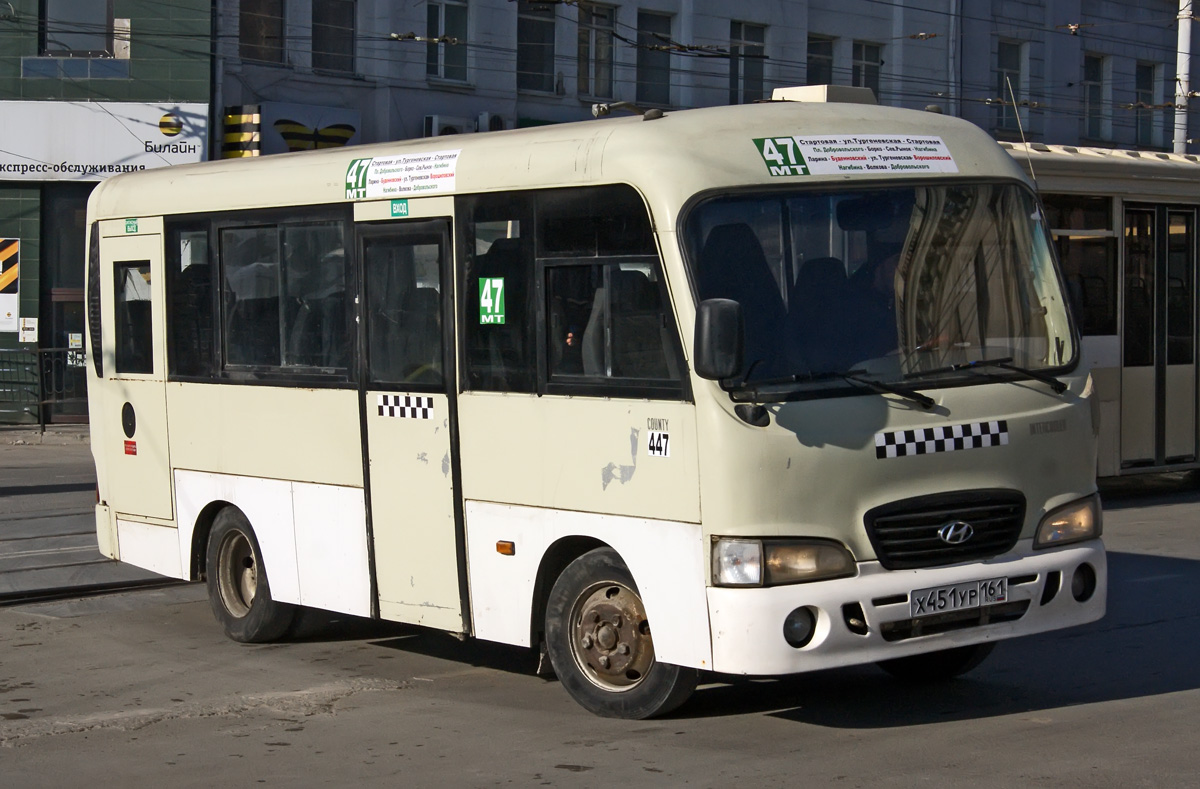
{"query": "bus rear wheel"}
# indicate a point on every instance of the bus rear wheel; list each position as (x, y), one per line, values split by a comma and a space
(599, 642)
(937, 666)
(238, 589)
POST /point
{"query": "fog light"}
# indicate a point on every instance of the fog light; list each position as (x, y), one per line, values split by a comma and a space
(799, 627)
(1083, 583)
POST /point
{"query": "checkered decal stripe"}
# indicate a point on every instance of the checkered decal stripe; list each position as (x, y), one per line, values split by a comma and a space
(927, 440)
(406, 406)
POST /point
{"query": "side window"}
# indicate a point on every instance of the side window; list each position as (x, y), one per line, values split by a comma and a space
(250, 295)
(605, 322)
(404, 309)
(284, 296)
(607, 327)
(189, 320)
(133, 318)
(498, 293)
(563, 294)
(315, 329)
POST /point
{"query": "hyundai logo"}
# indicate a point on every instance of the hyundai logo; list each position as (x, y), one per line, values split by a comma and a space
(956, 532)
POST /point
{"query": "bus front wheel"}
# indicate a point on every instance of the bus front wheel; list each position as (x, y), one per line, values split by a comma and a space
(599, 642)
(237, 583)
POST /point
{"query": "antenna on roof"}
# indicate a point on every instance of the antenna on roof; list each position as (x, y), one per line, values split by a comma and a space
(1021, 129)
(603, 110)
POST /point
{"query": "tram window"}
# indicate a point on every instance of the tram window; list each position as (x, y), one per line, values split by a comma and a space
(1078, 212)
(133, 318)
(1141, 275)
(1180, 288)
(1089, 266)
(189, 321)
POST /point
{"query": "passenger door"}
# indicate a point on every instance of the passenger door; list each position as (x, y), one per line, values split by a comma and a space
(409, 421)
(1158, 375)
(133, 409)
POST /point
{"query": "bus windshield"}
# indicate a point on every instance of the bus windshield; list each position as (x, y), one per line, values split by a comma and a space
(893, 283)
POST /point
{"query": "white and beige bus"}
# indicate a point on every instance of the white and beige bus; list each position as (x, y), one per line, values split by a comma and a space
(1124, 223)
(755, 390)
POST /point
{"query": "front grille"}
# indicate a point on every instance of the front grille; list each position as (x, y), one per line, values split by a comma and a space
(904, 533)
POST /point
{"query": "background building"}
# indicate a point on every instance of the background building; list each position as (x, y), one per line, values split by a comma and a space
(1096, 72)
(87, 88)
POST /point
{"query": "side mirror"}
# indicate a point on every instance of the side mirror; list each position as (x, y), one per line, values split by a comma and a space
(719, 339)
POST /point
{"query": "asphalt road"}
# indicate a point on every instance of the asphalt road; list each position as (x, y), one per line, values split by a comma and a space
(142, 688)
(47, 520)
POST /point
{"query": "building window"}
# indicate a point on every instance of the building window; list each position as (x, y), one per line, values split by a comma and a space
(747, 51)
(78, 28)
(535, 46)
(653, 59)
(447, 20)
(333, 35)
(1144, 81)
(820, 61)
(260, 30)
(868, 59)
(596, 50)
(1008, 72)
(1093, 97)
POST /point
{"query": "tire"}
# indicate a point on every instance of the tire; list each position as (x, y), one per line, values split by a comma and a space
(937, 666)
(600, 644)
(238, 589)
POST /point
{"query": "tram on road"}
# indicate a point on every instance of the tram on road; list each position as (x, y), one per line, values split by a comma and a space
(756, 390)
(1124, 224)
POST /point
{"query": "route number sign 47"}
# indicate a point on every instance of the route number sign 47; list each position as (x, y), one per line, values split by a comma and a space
(491, 300)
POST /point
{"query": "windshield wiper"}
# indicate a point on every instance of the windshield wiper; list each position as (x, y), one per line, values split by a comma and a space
(924, 401)
(1004, 363)
(852, 376)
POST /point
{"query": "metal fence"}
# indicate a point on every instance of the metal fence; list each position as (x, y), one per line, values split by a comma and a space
(45, 385)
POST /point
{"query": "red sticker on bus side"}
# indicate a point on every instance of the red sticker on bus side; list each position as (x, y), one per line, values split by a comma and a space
(130, 447)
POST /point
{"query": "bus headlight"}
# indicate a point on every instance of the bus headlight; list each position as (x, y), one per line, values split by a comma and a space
(742, 562)
(1079, 520)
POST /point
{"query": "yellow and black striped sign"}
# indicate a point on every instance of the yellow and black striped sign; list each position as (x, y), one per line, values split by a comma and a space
(10, 264)
(242, 132)
(305, 138)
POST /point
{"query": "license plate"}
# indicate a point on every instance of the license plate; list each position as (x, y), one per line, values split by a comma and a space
(956, 597)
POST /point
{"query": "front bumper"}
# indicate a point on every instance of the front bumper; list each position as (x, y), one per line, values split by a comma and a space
(747, 624)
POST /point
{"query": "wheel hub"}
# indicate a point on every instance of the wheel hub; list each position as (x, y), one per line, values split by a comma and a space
(612, 642)
(237, 574)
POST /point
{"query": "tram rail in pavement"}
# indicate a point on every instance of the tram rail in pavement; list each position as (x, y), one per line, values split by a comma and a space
(48, 548)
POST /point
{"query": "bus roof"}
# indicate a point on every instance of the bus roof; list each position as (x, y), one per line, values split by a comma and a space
(1080, 169)
(670, 158)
